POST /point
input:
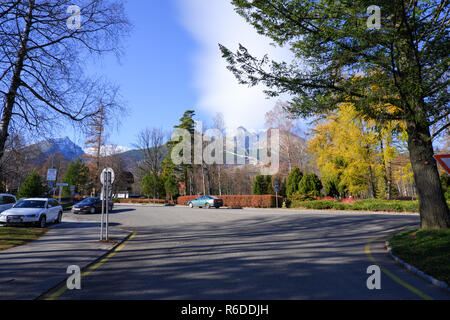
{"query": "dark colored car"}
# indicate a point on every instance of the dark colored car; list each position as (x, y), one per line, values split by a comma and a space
(206, 202)
(90, 205)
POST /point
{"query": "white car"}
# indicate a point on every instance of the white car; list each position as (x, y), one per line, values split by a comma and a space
(6, 201)
(36, 211)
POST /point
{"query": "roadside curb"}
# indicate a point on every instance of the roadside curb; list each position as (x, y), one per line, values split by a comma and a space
(417, 272)
(47, 293)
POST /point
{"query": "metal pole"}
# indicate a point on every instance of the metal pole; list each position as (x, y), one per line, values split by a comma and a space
(276, 198)
(60, 193)
(103, 209)
(108, 183)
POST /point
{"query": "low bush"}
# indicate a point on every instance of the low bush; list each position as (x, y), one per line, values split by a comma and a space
(303, 197)
(327, 198)
(362, 205)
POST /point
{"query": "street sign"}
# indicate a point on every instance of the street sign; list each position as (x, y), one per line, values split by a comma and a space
(444, 161)
(62, 184)
(277, 189)
(51, 174)
(107, 179)
(109, 174)
(105, 195)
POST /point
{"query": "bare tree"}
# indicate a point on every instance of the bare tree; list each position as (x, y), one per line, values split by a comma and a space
(96, 139)
(292, 147)
(43, 55)
(219, 124)
(151, 142)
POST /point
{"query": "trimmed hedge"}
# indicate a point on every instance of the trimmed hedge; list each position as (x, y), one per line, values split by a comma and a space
(141, 201)
(263, 201)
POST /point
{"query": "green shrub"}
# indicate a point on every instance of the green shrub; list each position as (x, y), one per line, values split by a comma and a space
(303, 197)
(310, 183)
(32, 187)
(331, 187)
(294, 178)
(361, 205)
(259, 185)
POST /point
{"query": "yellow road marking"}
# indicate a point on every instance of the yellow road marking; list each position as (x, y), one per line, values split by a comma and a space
(393, 276)
(92, 268)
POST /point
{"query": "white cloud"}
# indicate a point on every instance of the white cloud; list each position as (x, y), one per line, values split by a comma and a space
(212, 22)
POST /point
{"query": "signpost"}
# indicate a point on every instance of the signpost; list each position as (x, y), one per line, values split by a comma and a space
(51, 176)
(444, 161)
(61, 185)
(277, 189)
(107, 179)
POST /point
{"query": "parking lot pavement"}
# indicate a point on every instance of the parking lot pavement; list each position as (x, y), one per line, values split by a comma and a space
(28, 271)
(225, 254)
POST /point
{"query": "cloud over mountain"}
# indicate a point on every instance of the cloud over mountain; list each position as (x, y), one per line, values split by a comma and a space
(214, 22)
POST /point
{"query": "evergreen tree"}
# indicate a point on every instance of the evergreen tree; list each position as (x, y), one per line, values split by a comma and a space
(269, 183)
(32, 187)
(187, 123)
(294, 178)
(171, 186)
(331, 187)
(150, 185)
(259, 185)
(310, 184)
(77, 175)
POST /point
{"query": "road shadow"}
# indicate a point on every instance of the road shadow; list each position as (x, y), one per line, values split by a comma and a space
(115, 211)
(266, 257)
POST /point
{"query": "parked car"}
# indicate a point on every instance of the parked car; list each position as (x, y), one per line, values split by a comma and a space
(33, 211)
(91, 205)
(206, 202)
(6, 201)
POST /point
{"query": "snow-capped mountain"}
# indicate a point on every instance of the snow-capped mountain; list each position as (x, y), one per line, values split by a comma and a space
(64, 146)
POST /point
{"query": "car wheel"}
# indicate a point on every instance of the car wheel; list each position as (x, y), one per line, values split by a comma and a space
(59, 219)
(191, 205)
(93, 210)
(42, 222)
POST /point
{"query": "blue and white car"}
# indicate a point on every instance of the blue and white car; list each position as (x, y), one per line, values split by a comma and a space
(34, 211)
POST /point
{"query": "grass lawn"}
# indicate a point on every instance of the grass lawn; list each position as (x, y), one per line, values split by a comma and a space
(427, 250)
(361, 205)
(12, 237)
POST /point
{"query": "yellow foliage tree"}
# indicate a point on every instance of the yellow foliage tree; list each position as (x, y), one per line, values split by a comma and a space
(354, 154)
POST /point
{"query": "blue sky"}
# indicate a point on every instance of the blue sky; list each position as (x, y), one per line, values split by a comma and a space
(172, 63)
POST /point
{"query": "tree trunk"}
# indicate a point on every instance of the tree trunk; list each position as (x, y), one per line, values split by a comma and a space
(387, 188)
(10, 97)
(434, 212)
(220, 184)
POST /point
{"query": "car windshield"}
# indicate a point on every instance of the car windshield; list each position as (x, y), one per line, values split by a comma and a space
(88, 201)
(30, 204)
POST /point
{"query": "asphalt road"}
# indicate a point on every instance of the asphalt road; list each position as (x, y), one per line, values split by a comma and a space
(182, 253)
